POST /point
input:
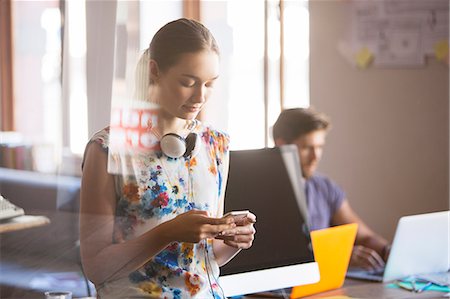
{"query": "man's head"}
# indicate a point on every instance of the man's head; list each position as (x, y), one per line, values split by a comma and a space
(305, 128)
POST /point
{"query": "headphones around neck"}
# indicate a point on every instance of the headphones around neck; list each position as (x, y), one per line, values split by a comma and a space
(175, 146)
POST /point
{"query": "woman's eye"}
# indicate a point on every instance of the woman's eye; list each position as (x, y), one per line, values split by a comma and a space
(209, 84)
(188, 83)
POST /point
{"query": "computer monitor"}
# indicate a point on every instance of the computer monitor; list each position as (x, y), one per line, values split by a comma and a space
(281, 255)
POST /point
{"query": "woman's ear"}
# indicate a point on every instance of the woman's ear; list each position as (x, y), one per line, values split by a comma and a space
(154, 71)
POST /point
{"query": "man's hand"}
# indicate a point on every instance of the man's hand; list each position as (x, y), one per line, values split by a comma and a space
(364, 257)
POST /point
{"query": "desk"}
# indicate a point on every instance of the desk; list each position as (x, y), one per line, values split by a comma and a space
(22, 222)
(31, 258)
(373, 290)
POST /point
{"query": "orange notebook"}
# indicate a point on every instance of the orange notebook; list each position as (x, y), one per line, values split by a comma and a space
(332, 250)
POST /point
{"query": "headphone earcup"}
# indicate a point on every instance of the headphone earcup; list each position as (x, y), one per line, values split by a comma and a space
(173, 145)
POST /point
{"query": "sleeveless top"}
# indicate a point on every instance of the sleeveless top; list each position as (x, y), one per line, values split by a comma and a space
(160, 189)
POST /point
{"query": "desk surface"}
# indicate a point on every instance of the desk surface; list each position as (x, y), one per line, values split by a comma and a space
(23, 222)
(29, 249)
(373, 290)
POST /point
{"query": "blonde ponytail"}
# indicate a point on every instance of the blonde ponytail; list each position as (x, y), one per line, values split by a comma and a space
(142, 77)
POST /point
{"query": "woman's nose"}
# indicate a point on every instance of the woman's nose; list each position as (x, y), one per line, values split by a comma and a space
(199, 95)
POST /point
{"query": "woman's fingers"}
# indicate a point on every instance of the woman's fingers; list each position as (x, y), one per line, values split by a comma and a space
(216, 226)
(240, 241)
(237, 238)
(240, 237)
(195, 225)
(251, 218)
(218, 229)
(239, 230)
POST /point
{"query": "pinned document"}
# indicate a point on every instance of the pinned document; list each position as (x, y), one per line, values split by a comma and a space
(364, 58)
(441, 50)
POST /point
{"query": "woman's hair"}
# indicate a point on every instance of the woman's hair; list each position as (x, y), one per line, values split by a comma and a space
(168, 44)
(179, 37)
(296, 122)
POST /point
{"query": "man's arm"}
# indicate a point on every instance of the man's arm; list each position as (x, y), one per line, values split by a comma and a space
(371, 250)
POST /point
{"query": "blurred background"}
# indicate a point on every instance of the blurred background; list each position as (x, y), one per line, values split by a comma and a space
(379, 69)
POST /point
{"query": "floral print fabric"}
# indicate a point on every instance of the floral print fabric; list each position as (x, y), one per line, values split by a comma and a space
(160, 189)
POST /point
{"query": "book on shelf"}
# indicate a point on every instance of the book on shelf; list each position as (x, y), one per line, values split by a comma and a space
(14, 152)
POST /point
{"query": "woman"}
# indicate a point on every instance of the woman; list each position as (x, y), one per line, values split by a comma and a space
(160, 233)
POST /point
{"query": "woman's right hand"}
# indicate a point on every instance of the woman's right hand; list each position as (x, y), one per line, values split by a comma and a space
(194, 226)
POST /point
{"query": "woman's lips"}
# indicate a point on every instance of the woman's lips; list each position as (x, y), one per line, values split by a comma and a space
(192, 108)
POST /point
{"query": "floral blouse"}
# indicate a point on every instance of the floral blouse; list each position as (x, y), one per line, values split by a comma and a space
(160, 189)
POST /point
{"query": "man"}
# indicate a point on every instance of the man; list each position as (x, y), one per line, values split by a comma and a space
(327, 204)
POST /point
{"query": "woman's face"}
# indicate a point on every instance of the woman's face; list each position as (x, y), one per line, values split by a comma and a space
(183, 89)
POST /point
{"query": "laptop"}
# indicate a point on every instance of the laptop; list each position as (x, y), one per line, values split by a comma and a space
(332, 250)
(420, 246)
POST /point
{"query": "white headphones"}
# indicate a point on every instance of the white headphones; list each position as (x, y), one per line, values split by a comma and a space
(175, 146)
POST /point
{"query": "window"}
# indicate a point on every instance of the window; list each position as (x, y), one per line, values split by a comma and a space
(153, 15)
(240, 95)
(296, 51)
(76, 122)
(259, 76)
(52, 119)
(238, 104)
(37, 78)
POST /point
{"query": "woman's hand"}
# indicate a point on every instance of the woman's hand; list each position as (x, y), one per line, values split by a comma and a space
(242, 235)
(366, 258)
(194, 226)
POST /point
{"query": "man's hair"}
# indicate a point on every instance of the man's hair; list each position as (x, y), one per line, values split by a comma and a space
(296, 122)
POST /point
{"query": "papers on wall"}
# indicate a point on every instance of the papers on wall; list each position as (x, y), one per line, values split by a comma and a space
(399, 33)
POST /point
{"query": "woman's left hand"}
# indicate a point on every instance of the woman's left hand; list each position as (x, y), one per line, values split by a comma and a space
(242, 235)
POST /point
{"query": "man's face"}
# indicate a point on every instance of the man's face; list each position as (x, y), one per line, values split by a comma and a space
(310, 148)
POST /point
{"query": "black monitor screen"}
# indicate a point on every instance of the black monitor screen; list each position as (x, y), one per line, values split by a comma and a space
(259, 181)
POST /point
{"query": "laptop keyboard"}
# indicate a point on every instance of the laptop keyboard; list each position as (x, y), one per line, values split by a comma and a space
(378, 272)
(373, 275)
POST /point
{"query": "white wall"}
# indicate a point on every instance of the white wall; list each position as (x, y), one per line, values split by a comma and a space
(389, 146)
